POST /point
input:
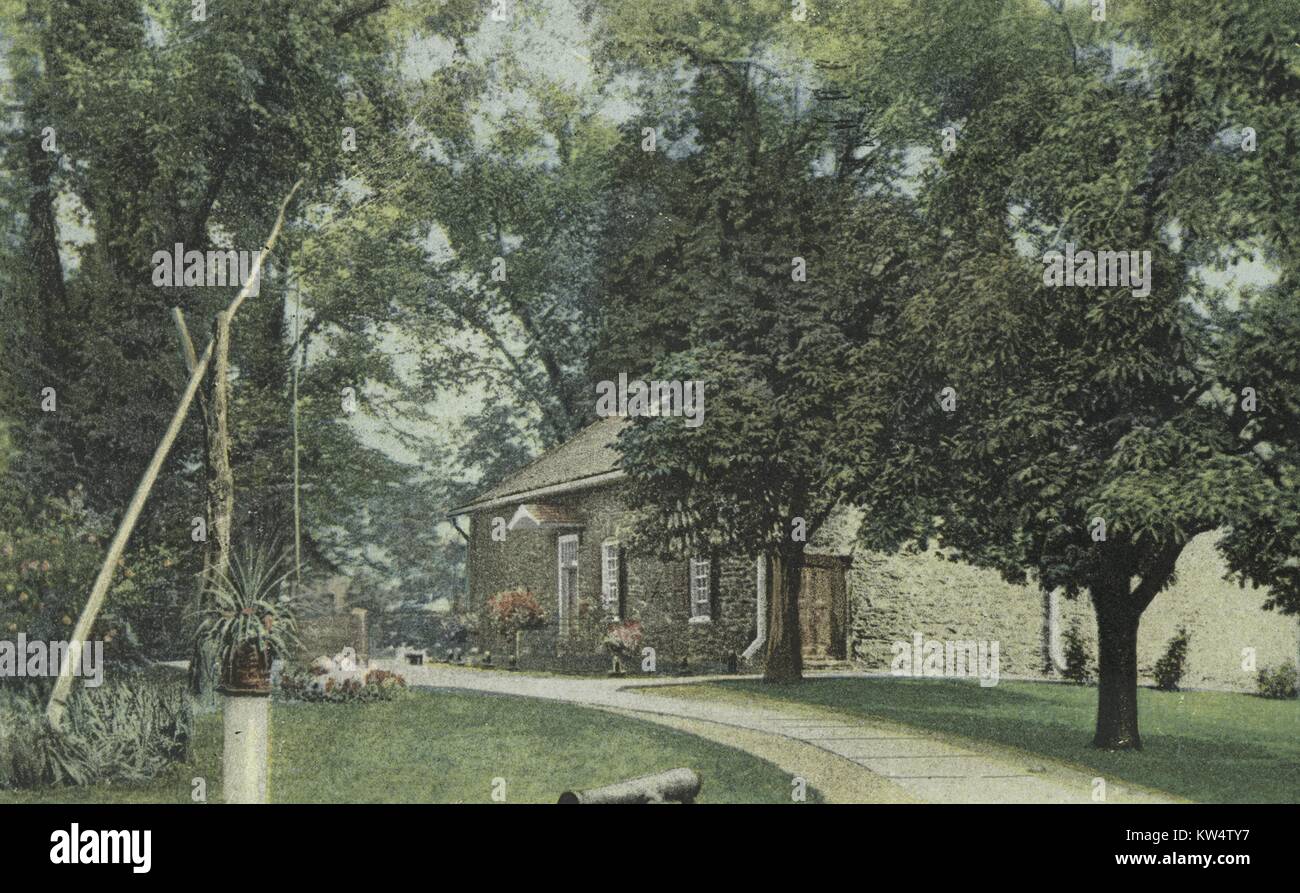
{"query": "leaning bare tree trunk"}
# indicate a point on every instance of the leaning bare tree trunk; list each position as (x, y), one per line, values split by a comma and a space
(1117, 629)
(220, 485)
(784, 658)
(199, 681)
(57, 706)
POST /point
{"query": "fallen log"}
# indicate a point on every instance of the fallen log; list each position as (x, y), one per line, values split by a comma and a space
(673, 786)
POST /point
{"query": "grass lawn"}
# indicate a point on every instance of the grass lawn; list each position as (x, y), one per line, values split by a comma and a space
(445, 747)
(1213, 747)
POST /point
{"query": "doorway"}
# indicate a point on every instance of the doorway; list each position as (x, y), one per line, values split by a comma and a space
(823, 608)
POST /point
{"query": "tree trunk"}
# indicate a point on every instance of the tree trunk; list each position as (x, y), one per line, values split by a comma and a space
(784, 659)
(1117, 628)
(199, 680)
(221, 484)
(42, 237)
(297, 480)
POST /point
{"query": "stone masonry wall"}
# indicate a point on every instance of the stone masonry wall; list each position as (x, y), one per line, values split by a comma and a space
(897, 596)
(1222, 618)
(891, 599)
(656, 593)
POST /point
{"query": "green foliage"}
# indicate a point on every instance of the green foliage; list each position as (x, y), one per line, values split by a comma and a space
(750, 177)
(1080, 403)
(923, 274)
(1075, 403)
(420, 629)
(169, 130)
(51, 549)
(1080, 666)
(1170, 667)
(125, 731)
(1281, 681)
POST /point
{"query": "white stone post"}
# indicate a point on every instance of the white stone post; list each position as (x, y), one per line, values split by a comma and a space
(245, 758)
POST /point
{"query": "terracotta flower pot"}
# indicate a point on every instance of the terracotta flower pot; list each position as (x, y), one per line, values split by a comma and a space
(249, 673)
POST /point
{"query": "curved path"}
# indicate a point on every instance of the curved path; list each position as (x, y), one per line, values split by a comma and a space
(846, 758)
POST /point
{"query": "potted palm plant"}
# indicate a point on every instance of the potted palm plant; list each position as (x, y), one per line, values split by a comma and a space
(247, 623)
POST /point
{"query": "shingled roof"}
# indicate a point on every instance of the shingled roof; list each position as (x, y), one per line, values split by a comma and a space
(588, 458)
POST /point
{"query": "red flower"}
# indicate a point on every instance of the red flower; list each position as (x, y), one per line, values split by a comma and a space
(624, 638)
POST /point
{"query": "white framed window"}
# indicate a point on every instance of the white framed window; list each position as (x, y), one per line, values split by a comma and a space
(567, 559)
(610, 596)
(701, 603)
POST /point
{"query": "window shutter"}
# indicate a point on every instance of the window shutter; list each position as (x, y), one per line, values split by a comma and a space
(622, 582)
(715, 578)
(611, 578)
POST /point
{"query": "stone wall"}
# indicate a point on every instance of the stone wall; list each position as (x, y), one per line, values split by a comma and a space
(897, 596)
(326, 636)
(1222, 618)
(891, 599)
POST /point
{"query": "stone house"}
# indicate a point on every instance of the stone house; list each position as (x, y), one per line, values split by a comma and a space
(558, 527)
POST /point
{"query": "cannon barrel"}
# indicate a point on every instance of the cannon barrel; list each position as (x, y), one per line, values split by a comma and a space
(673, 786)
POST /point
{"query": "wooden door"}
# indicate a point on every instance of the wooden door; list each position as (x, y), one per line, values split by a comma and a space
(822, 609)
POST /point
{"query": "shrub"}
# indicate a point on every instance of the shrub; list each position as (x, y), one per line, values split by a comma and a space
(1170, 668)
(1278, 682)
(1078, 658)
(515, 609)
(119, 732)
(421, 629)
(623, 639)
(51, 549)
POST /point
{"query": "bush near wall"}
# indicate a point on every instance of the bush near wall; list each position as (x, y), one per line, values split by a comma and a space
(1279, 682)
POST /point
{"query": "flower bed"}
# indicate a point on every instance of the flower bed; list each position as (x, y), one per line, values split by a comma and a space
(341, 686)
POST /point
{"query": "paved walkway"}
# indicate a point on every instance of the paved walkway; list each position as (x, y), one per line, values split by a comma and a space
(846, 758)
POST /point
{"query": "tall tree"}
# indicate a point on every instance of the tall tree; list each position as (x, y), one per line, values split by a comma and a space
(136, 127)
(766, 252)
(1091, 432)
